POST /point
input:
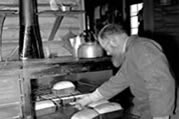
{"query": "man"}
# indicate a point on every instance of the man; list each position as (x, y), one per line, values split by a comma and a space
(143, 67)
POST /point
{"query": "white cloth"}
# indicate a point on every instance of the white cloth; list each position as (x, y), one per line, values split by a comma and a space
(166, 117)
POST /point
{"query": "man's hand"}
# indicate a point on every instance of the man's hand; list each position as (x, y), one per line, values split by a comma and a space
(82, 101)
(87, 99)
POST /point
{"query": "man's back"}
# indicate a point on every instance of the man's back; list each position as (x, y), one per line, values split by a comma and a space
(151, 82)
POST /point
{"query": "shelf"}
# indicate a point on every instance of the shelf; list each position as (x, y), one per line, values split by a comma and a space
(9, 12)
(59, 13)
(63, 66)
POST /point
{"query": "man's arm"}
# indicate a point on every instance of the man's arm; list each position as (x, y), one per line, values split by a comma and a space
(107, 90)
(114, 85)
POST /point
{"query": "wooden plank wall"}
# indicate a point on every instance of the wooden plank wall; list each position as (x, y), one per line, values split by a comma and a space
(166, 19)
(10, 94)
(72, 24)
(166, 31)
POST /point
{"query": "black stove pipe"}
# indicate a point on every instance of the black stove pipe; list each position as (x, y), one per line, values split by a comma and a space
(30, 42)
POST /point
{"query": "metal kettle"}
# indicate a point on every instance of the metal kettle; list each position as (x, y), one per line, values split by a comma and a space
(91, 48)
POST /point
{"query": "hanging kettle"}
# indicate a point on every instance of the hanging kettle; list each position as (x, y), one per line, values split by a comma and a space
(91, 48)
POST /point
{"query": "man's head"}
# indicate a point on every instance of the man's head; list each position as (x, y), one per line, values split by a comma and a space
(113, 39)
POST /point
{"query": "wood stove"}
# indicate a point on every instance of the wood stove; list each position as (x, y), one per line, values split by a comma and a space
(40, 76)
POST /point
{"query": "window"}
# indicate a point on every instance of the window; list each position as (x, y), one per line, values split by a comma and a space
(134, 9)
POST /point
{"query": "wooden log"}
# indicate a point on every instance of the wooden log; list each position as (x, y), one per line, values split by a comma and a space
(9, 89)
(11, 111)
(173, 8)
(10, 99)
(9, 2)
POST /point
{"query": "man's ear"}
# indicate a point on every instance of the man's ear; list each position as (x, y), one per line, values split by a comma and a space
(114, 42)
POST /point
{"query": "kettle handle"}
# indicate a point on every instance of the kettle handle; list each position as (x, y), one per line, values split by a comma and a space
(89, 36)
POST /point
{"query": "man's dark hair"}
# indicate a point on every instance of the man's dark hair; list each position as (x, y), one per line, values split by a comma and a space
(110, 29)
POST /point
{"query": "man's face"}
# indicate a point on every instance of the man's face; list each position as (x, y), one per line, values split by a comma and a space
(114, 50)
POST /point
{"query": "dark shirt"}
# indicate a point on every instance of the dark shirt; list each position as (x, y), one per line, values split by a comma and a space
(146, 71)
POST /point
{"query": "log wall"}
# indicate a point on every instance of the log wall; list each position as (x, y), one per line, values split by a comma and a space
(166, 30)
(10, 93)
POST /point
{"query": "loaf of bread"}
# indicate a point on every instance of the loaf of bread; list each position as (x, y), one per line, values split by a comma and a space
(63, 88)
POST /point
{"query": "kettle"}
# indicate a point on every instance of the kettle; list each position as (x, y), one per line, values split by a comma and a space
(91, 48)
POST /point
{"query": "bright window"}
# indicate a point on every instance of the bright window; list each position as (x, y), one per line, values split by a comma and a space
(134, 9)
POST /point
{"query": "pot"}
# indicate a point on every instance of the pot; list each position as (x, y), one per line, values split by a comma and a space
(90, 50)
(65, 8)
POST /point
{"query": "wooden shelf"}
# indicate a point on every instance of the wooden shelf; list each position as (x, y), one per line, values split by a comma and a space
(17, 5)
(59, 13)
(9, 5)
(9, 12)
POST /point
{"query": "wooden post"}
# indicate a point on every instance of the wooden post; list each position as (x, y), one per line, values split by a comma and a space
(28, 106)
